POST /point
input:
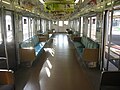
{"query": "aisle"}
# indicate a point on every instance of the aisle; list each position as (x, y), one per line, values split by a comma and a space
(56, 70)
(61, 70)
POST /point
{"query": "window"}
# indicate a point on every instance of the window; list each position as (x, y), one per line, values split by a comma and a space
(112, 42)
(28, 27)
(88, 31)
(43, 22)
(0, 31)
(66, 22)
(9, 28)
(31, 27)
(93, 28)
(81, 30)
(49, 25)
(116, 28)
(25, 28)
(77, 27)
(25, 20)
(60, 23)
(71, 24)
(82, 0)
(38, 25)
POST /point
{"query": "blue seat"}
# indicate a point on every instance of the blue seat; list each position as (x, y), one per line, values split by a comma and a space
(30, 48)
(37, 49)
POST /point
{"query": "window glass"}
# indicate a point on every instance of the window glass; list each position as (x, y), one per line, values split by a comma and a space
(9, 28)
(31, 27)
(82, 0)
(93, 28)
(49, 25)
(77, 25)
(43, 22)
(42, 28)
(38, 25)
(0, 31)
(45, 25)
(116, 28)
(112, 45)
(88, 31)
(66, 22)
(114, 38)
(60, 23)
(25, 28)
(71, 24)
(81, 30)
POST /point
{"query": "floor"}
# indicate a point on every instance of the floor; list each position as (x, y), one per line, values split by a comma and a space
(57, 68)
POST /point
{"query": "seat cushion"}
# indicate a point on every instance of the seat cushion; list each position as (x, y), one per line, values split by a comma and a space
(37, 49)
(79, 45)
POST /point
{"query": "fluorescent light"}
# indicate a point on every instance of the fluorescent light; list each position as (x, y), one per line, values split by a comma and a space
(42, 1)
(110, 3)
(5, 2)
(82, 0)
(76, 1)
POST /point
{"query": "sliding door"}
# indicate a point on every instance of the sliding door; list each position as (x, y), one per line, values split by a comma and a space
(7, 40)
(112, 40)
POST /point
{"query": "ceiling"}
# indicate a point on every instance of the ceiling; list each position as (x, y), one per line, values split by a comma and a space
(54, 9)
(60, 9)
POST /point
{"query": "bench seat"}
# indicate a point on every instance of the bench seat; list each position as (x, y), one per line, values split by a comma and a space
(87, 49)
(39, 47)
(30, 48)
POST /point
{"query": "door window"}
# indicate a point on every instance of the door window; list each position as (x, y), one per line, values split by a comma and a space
(0, 31)
(9, 28)
(25, 28)
(93, 28)
(112, 47)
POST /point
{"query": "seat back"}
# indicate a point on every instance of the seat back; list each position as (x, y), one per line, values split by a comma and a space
(110, 79)
(6, 77)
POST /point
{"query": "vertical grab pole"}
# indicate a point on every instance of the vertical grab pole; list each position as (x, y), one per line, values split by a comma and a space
(79, 26)
(109, 44)
(103, 39)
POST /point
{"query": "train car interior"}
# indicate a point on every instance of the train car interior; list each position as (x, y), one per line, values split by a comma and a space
(59, 44)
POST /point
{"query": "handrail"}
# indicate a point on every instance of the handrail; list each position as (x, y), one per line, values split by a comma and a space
(3, 58)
